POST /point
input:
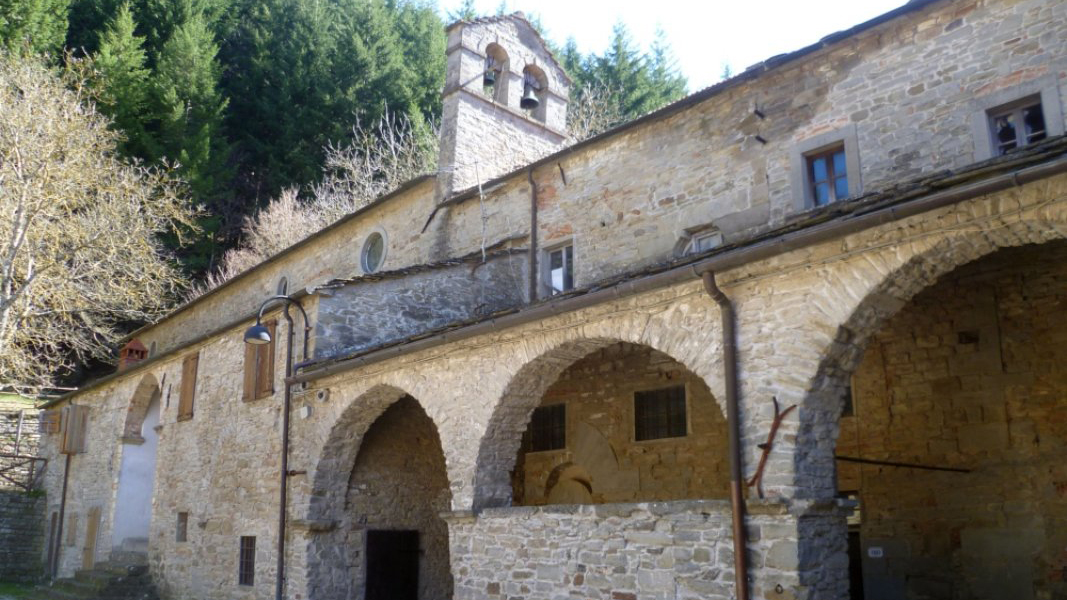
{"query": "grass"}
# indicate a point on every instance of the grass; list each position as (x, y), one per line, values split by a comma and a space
(14, 590)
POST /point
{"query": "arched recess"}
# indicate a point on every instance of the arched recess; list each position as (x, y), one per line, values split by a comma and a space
(382, 470)
(133, 501)
(499, 448)
(497, 61)
(146, 391)
(822, 404)
(954, 255)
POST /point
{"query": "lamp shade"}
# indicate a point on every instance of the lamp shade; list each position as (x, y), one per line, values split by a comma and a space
(257, 334)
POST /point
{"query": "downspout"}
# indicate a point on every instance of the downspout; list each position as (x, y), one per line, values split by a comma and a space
(737, 500)
(533, 236)
(58, 541)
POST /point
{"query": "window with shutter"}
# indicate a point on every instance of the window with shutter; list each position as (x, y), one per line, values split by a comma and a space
(185, 402)
(259, 367)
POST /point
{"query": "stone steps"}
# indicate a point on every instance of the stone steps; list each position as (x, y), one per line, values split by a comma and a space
(105, 581)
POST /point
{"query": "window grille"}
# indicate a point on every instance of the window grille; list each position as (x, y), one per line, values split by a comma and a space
(659, 414)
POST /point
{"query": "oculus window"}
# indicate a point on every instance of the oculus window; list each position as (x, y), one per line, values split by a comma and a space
(373, 254)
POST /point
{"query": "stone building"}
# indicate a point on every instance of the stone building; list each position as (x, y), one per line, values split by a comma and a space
(529, 375)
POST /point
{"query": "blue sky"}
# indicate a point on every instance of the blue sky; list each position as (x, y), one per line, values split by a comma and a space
(705, 35)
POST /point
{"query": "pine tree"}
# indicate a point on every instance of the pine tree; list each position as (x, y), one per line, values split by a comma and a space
(120, 81)
(87, 22)
(33, 26)
(190, 121)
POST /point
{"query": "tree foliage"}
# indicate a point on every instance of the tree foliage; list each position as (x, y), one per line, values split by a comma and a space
(80, 254)
(33, 26)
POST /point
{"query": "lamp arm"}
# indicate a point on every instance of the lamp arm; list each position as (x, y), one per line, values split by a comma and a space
(288, 302)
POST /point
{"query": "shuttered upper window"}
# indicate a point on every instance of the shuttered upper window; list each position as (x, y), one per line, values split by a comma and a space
(259, 367)
(185, 403)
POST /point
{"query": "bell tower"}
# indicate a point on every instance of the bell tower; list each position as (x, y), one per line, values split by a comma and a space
(504, 103)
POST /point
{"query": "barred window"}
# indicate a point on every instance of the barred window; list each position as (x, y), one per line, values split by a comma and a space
(246, 567)
(659, 414)
(548, 428)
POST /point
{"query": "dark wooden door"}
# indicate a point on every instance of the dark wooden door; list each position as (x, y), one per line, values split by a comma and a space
(392, 565)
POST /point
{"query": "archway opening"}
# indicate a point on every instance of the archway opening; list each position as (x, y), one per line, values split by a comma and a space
(397, 490)
(140, 439)
(952, 437)
(625, 423)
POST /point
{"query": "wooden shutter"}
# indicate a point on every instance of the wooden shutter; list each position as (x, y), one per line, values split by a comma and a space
(92, 528)
(259, 367)
(185, 402)
(251, 353)
(265, 363)
(75, 424)
(49, 421)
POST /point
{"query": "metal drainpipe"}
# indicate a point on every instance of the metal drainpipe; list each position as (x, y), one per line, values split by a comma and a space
(737, 500)
(533, 235)
(58, 541)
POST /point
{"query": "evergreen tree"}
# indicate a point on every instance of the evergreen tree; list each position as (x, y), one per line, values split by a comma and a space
(120, 81)
(190, 126)
(34, 26)
(88, 20)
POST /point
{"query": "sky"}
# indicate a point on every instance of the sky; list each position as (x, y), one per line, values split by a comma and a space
(704, 35)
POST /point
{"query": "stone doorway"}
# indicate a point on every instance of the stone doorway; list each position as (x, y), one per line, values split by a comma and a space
(963, 391)
(392, 565)
(397, 541)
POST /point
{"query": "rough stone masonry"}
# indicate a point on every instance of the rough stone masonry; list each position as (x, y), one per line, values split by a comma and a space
(827, 299)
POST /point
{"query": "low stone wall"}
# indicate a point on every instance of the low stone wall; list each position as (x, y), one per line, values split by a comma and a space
(653, 551)
(22, 535)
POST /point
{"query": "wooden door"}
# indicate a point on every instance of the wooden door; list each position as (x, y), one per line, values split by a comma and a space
(92, 527)
(392, 565)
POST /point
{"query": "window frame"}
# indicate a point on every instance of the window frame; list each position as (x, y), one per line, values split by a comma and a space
(246, 561)
(365, 250)
(687, 422)
(546, 268)
(530, 427)
(1044, 89)
(1014, 109)
(801, 182)
(181, 528)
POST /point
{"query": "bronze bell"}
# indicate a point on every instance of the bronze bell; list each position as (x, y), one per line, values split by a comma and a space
(489, 75)
(529, 98)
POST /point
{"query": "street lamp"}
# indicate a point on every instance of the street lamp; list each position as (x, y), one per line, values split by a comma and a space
(259, 335)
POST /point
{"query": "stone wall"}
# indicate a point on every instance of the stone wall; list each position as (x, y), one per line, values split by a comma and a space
(22, 535)
(598, 392)
(648, 551)
(399, 483)
(375, 310)
(12, 411)
(967, 376)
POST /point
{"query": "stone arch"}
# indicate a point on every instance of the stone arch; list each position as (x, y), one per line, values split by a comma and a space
(329, 562)
(146, 391)
(500, 443)
(534, 78)
(824, 398)
(498, 61)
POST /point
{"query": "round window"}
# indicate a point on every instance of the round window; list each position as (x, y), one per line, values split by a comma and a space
(373, 252)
